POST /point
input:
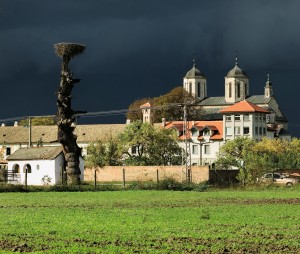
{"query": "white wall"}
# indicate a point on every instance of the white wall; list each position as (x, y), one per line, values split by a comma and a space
(199, 157)
(39, 169)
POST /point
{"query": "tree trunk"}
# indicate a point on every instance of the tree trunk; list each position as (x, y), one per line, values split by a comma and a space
(65, 114)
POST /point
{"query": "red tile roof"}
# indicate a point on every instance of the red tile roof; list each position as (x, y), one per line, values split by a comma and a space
(215, 126)
(146, 105)
(244, 107)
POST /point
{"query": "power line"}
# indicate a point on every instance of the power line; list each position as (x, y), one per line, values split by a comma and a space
(92, 114)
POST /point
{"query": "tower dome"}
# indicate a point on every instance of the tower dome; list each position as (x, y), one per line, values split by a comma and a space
(237, 72)
(236, 84)
(194, 72)
(194, 82)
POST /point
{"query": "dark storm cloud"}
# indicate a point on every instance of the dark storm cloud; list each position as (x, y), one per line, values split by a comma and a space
(139, 48)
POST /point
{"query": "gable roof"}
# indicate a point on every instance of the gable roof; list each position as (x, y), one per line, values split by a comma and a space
(36, 153)
(146, 105)
(216, 126)
(244, 107)
(48, 134)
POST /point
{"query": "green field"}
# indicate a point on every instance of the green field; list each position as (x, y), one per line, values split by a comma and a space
(266, 221)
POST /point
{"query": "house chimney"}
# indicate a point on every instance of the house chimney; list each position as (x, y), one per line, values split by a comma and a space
(16, 123)
(163, 121)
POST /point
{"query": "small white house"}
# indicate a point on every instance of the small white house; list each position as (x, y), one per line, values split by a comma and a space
(44, 165)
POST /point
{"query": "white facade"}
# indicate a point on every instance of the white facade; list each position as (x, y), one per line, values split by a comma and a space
(204, 152)
(42, 171)
(236, 89)
(37, 170)
(245, 125)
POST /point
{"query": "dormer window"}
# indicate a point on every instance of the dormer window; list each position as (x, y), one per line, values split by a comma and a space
(195, 133)
(206, 132)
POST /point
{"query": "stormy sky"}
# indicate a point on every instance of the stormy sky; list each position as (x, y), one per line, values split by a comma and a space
(143, 48)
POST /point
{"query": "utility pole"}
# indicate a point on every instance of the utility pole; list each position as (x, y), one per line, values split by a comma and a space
(187, 145)
(29, 127)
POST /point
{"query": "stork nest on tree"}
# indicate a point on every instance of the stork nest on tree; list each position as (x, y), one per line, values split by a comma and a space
(68, 49)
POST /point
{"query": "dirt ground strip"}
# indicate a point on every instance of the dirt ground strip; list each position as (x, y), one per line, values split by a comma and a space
(243, 244)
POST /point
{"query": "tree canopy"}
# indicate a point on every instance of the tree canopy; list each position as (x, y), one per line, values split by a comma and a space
(139, 144)
(47, 120)
(253, 159)
(166, 106)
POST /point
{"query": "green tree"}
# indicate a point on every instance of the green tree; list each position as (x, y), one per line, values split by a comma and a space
(153, 146)
(166, 106)
(103, 153)
(47, 120)
(233, 154)
(258, 158)
(164, 148)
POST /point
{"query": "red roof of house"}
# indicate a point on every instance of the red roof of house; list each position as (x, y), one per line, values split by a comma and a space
(244, 106)
(146, 105)
(216, 126)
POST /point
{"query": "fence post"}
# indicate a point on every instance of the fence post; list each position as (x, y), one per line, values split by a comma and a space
(124, 178)
(157, 176)
(95, 178)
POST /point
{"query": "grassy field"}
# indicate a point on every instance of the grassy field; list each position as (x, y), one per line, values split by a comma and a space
(266, 221)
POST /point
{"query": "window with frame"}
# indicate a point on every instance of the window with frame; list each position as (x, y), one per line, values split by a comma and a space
(195, 149)
(133, 150)
(206, 149)
(206, 132)
(228, 118)
(195, 133)
(228, 131)
(237, 130)
(264, 131)
(199, 89)
(8, 151)
(230, 90)
(238, 90)
(246, 117)
(256, 117)
(260, 130)
(246, 130)
(237, 117)
(256, 130)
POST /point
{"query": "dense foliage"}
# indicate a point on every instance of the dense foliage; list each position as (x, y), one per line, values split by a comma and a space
(166, 106)
(38, 121)
(253, 159)
(139, 144)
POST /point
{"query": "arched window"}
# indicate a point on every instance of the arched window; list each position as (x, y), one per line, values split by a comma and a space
(230, 90)
(199, 91)
(238, 86)
(16, 168)
(28, 167)
(190, 87)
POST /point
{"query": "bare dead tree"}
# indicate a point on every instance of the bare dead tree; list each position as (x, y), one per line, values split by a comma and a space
(65, 115)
